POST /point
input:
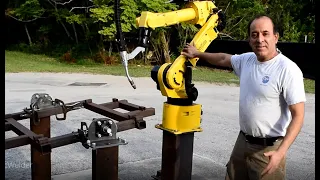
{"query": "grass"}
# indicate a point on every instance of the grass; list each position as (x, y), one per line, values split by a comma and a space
(23, 62)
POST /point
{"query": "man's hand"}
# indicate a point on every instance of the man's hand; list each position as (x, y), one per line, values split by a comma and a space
(190, 51)
(275, 157)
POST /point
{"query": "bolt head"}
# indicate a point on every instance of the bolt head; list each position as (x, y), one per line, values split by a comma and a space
(109, 130)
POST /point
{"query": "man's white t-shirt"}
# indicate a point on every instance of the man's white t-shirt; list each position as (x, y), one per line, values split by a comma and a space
(266, 90)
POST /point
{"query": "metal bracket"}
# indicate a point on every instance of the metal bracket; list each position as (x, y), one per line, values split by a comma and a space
(100, 134)
(42, 101)
(139, 122)
(44, 145)
(64, 109)
(39, 101)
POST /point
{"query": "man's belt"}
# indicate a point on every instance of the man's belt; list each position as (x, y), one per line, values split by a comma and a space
(260, 141)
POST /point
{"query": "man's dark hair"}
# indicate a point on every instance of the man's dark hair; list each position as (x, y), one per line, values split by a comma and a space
(275, 27)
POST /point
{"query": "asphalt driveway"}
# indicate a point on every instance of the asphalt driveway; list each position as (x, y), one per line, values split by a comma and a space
(141, 157)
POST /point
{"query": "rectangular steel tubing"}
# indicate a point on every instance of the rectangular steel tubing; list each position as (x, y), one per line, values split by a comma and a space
(129, 106)
(177, 155)
(7, 126)
(113, 114)
(105, 163)
(17, 141)
(19, 129)
(63, 140)
(126, 125)
(40, 163)
(145, 113)
(17, 116)
(55, 110)
(114, 104)
(54, 141)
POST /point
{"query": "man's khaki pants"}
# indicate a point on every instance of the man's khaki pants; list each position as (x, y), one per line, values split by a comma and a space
(247, 161)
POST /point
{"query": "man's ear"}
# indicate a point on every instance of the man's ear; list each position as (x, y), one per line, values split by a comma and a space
(277, 37)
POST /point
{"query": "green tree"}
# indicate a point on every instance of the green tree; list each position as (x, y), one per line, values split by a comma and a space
(27, 12)
(239, 13)
(70, 24)
(161, 36)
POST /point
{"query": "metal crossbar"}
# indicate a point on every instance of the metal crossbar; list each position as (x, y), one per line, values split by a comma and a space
(38, 136)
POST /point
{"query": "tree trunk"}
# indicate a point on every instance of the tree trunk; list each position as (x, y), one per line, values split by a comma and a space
(66, 30)
(29, 38)
(75, 33)
(165, 45)
(110, 49)
(102, 51)
(64, 27)
(84, 28)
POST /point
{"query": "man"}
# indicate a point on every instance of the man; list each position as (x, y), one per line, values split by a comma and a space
(271, 107)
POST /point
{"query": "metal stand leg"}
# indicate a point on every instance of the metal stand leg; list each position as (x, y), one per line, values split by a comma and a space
(40, 163)
(105, 163)
(177, 155)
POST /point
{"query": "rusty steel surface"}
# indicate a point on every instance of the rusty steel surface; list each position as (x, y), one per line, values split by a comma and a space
(39, 137)
(17, 141)
(43, 112)
(128, 120)
(19, 129)
(177, 156)
(113, 114)
(107, 109)
(7, 126)
(63, 140)
(105, 163)
(40, 163)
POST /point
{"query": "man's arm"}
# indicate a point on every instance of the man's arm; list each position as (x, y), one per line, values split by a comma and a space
(218, 59)
(297, 113)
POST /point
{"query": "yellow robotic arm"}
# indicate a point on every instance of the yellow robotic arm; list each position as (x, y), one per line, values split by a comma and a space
(195, 12)
(171, 77)
(180, 114)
